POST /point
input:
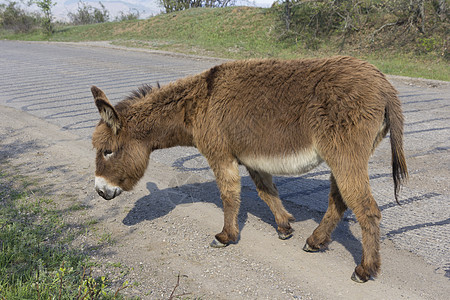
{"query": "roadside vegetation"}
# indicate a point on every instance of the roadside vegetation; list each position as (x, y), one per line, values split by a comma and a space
(401, 37)
(36, 261)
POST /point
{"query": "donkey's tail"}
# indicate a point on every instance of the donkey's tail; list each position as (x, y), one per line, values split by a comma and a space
(394, 118)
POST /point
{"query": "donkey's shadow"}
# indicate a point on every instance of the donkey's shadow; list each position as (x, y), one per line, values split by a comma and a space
(161, 202)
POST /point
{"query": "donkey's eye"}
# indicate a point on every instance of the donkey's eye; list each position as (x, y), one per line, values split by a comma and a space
(107, 153)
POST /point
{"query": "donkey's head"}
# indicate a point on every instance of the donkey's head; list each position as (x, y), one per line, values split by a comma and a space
(121, 158)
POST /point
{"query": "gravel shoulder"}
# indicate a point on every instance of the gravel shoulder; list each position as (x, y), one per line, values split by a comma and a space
(163, 228)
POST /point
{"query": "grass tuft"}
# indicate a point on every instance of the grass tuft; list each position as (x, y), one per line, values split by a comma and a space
(35, 259)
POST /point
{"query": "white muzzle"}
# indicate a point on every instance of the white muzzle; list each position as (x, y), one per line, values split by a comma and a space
(106, 190)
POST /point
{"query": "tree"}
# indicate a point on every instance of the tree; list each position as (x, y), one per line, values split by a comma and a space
(47, 19)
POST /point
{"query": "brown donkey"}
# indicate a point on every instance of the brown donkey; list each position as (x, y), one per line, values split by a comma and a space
(273, 117)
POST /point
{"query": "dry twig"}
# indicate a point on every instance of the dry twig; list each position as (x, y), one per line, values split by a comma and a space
(172, 296)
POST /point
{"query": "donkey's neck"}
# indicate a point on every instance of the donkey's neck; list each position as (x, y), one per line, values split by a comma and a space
(159, 118)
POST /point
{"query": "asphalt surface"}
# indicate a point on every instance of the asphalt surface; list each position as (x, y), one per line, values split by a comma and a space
(52, 81)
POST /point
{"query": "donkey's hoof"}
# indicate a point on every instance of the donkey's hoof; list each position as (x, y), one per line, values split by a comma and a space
(216, 244)
(356, 278)
(308, 248)
(284, 236)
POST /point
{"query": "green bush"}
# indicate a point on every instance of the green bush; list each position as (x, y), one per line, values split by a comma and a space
(87, 14)
(12, 17)
(312, 22)
(410, 25)
(133, 14)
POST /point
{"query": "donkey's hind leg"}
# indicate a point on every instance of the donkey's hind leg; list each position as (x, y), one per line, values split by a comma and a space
(268, 192)
(336, 208)
(354, 187)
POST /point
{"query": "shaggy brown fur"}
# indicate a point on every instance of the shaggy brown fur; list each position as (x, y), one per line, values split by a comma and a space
(274, 117)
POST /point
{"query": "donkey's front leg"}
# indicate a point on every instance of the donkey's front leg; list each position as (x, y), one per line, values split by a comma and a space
(228, 181)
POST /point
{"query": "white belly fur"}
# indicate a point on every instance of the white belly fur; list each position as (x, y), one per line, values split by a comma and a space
(290, 164)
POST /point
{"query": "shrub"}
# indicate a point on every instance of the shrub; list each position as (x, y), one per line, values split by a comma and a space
(87, 14)
(412, 25)
(133, 14)
(12, 17)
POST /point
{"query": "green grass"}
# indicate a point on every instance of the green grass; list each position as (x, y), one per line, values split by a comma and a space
(407, 65)
(233, 32)
(35, 259)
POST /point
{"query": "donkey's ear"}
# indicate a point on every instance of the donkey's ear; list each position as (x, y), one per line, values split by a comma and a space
(107, 112)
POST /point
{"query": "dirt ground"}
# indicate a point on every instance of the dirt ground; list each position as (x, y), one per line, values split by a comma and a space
(163, 229)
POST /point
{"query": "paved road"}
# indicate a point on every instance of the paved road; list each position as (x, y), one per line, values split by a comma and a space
(52, 81)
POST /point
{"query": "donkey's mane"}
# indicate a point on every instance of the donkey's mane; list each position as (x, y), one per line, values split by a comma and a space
(138, 94)
(141, 92)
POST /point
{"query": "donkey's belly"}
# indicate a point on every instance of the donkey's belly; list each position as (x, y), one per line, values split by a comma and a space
(289, 164)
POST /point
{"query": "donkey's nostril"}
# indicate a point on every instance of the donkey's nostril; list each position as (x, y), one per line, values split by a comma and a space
(101, 193)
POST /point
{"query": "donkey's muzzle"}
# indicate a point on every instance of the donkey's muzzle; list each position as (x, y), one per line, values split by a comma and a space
(106, 190)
